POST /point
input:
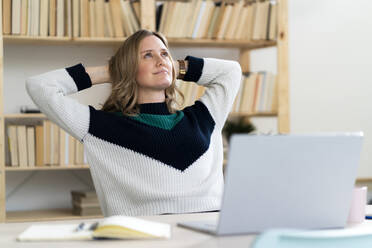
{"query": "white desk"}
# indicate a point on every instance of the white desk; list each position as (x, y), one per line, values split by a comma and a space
(181, 237)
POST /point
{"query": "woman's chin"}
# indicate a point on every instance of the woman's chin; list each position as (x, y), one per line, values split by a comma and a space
(164, 84)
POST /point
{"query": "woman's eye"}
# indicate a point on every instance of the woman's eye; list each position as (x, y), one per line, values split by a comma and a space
(148, 55)
(165, 54)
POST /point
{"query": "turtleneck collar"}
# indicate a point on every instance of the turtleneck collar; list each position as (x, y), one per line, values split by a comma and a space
(158, 108)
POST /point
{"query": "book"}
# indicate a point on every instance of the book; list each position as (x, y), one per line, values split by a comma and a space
(92, 204)
(16, 17)
(116, 18)
(240, 27)
(109, 26)
(163, 13)
(115, 227)
(88, 193)
(7, 16)
(199, 20)
(128, 29)
(133, 16)
(63, 147)
(31, 146)
(84, 200)
(60, 16)
(225, 20)
(203, 30)
(100, 18)
(13, 145)
(92, 18)
(22, 145)
(213, 21)
(86, 211)
(44, 7)
(187, 14)
(52, 17)
(39, 142)
(249, 21)
(55, 144)
(47, 142)
(24, 7)
(29, 17)
(159, 12)
(233, 23)
(136, 5)
(273, 22)
(75, 18)
(35, 18)
(68, 18)
(176, 19)
(84, 18)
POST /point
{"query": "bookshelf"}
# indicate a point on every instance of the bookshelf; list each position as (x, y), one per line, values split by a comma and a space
(147, 21)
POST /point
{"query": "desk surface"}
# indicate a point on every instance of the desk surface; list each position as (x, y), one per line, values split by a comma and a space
(181, 237)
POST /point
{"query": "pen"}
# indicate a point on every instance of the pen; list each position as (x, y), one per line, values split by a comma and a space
(79, 227)
(368, 217)
(93, 226)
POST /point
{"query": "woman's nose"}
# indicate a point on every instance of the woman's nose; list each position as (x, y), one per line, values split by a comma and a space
(159, 60)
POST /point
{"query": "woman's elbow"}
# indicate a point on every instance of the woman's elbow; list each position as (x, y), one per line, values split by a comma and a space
(236, 69)
(31, 85)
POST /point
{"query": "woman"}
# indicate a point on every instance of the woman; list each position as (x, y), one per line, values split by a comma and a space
(145, 157)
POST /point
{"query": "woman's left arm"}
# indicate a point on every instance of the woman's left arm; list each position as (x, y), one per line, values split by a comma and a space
(222, 80)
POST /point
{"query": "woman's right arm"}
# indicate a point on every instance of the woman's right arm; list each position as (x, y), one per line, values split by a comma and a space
(49, 92)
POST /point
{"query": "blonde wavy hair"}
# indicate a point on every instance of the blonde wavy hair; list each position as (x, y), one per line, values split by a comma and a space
(123, 67)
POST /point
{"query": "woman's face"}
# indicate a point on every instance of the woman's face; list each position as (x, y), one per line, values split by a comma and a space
(155, 65)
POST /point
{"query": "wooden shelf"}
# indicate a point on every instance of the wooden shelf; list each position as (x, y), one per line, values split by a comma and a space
(45, 215)
(221, 43)
(14, 39)
(54, 167)
(16, 116)
(37, 40)
(364, 180)
(244, 114)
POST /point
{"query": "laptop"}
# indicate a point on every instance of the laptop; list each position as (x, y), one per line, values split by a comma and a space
(286, 181)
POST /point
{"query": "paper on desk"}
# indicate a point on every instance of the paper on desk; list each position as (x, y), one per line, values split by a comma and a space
(56, 232)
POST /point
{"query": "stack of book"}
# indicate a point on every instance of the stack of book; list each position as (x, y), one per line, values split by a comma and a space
(40, 145)
(258, 94)
(66, 18)
(226, 19)
(85, 202)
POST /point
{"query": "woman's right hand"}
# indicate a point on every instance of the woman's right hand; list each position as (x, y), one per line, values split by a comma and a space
(98, 74)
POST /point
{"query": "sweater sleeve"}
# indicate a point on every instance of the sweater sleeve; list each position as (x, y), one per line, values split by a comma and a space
(49, 92)
(222, 80)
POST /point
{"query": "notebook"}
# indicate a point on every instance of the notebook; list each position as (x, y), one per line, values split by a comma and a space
(115, 227)
(286, 181)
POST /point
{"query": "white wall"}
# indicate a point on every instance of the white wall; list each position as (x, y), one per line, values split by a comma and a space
(330, 69)
(329, 58)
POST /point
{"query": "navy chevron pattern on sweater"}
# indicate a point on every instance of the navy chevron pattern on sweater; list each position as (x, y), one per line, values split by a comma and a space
(178, 147)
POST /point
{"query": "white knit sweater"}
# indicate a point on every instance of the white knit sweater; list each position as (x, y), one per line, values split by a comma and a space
(140, 167)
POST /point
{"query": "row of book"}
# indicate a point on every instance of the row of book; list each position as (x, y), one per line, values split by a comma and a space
(42, 145)
(77, 18)
(258, 93)
(85, 202)
(239, 19)
(226, 19)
